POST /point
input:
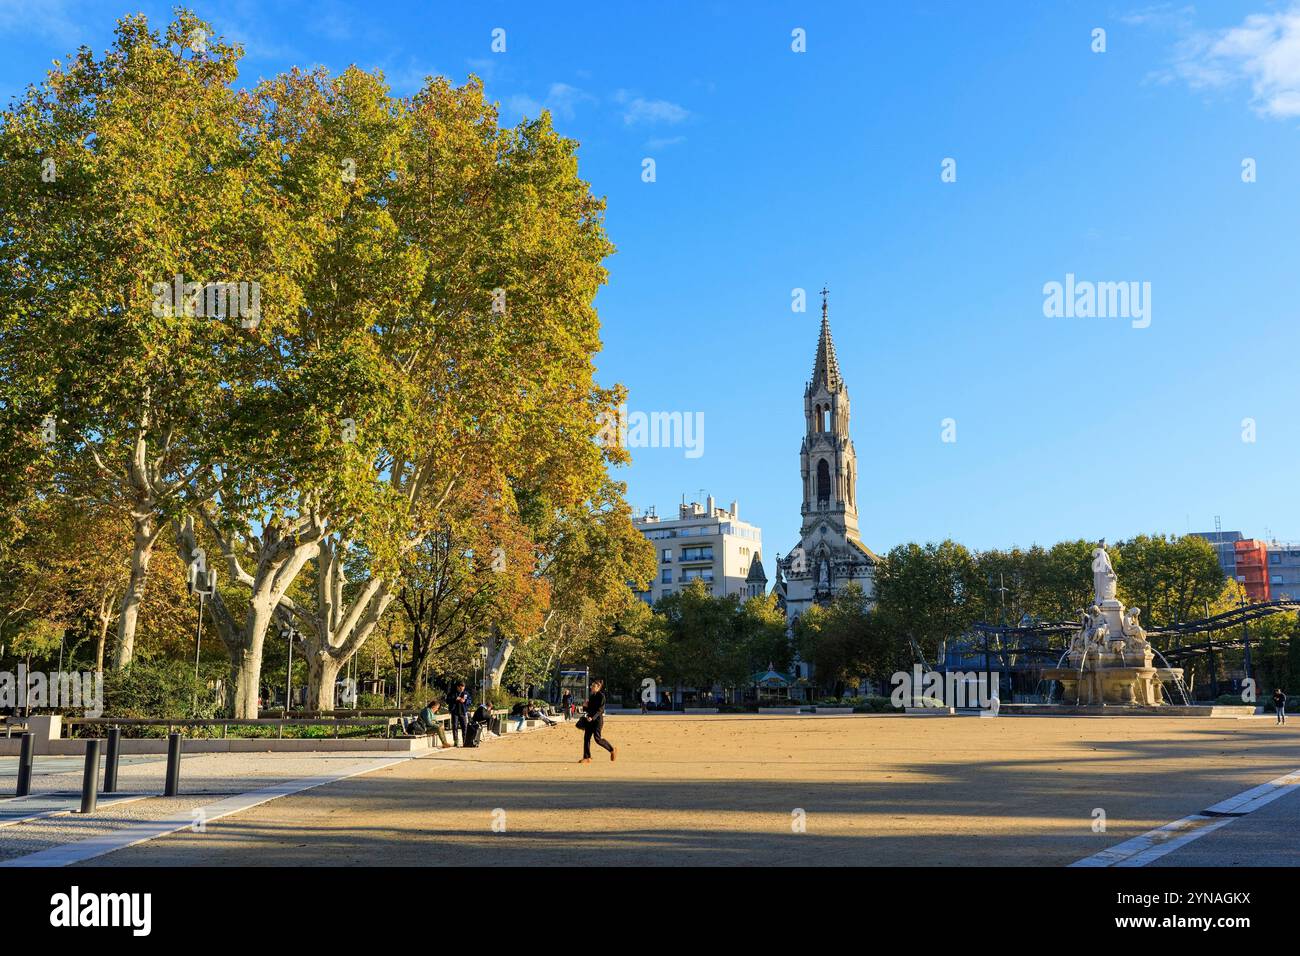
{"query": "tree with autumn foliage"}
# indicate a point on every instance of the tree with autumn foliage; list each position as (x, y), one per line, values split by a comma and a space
(425, 326)
(124, 179)
(590, 553)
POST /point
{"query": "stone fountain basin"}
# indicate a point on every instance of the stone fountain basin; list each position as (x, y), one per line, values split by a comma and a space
(1120, 671)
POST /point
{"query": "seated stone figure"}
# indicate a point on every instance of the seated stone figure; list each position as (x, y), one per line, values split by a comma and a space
(1134, 635)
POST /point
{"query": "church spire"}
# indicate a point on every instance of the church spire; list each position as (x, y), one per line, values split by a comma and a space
(826, 367)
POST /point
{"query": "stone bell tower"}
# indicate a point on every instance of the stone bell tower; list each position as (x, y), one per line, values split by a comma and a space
(830, 554)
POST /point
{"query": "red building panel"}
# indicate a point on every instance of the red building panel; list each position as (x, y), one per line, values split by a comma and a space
(1252, 568)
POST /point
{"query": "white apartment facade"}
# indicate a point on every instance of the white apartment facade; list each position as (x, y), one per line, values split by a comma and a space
(707, 543)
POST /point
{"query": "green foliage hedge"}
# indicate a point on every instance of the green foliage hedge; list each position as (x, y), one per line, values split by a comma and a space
(161, 689)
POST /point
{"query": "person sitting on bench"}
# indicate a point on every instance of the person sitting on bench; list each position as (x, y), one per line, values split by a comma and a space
(432, 724)
(535, 714)
(520, 713)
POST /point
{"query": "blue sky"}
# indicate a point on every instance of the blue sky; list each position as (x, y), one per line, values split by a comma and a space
(778, 170)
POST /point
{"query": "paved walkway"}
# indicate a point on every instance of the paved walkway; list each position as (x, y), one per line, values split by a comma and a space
(205, 780)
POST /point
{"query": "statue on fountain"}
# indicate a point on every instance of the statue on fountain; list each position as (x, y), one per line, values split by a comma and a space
(1104, 580)
(1110, 659)
(1135, 638)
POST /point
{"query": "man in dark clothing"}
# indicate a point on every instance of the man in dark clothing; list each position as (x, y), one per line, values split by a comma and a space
(595, 716)
(458, 704)
(520, 713)
(1279, 704)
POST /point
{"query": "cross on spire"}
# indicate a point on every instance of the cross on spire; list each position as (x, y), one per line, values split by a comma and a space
(826, 369)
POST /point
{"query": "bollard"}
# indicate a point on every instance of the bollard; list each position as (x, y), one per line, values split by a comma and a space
(110, 759)
(25, 765)
(90, 778)
(173, 765)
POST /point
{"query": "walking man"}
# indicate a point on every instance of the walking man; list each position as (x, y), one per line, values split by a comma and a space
(1279, 704)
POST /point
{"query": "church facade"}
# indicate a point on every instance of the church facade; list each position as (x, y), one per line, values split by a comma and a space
(830, 554)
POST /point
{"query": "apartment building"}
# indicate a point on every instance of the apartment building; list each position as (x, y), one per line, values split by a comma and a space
(705, 543)
(1266, 570)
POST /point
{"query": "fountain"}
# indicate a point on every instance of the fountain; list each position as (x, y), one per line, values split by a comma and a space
(1109, 662)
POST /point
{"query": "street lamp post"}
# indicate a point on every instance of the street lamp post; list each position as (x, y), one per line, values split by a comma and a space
(1245, 634)
(202, 586)
(290, 635)
(400, 647)
(1209, 646)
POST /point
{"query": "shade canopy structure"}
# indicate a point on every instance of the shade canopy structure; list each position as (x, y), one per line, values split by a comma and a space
(771, 685)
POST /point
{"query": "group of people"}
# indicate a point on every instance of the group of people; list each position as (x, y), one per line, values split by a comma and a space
(460, 709)
(459, 702)
(526, 710)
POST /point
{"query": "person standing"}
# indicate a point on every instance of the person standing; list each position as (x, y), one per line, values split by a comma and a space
(595, 717)
(566, 704)
(458, 708)
(1279, 704)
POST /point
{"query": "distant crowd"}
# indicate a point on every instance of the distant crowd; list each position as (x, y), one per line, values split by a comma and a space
(470, 723)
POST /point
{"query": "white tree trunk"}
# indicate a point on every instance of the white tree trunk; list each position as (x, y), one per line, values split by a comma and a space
(322, 673)
(499, 651)
(105, 617)
(281, 555)
(146, 532)
(336, 630)
(245, 677)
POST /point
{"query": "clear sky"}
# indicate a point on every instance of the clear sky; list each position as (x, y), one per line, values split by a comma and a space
(778, 170)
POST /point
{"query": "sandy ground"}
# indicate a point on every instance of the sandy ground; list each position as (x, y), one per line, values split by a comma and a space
(773, 790)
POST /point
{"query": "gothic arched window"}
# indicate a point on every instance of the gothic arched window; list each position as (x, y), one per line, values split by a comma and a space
(823, 483)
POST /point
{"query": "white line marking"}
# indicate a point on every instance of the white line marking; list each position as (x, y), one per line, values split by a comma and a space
(1141, 850)
(53, 805)
(147, 830)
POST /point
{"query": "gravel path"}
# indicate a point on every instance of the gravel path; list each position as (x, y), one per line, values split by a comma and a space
(766, 791)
